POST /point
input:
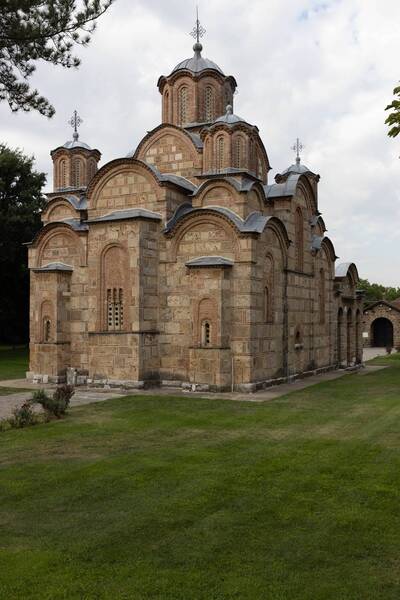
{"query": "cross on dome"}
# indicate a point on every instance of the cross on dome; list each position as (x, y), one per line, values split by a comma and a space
(298, 148)
(197, 32)
(75, 122)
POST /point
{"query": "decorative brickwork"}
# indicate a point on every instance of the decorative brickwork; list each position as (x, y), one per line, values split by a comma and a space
(180, 265)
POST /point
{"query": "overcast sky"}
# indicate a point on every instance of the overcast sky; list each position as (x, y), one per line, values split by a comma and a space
(323, 71)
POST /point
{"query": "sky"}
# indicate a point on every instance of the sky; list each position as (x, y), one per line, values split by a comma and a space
(323, 71)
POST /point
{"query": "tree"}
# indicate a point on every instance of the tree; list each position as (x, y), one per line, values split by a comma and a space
(375, 291)
(21, 202)
(33, 30)
(393, 119)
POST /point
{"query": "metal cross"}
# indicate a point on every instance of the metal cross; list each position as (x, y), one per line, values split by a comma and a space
(75, 121)
(298, 148)
(198, 30)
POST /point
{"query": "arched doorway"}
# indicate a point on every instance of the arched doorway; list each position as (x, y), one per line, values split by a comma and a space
(382, 333)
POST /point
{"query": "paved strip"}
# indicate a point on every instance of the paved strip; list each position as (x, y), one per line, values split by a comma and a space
(84, 396)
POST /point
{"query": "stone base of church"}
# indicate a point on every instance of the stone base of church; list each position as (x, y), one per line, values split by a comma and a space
(72, 377)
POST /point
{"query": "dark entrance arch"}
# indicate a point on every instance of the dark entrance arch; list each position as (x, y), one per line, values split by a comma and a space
(382, 333)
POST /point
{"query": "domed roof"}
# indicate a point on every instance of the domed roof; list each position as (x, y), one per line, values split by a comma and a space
(229, 117)
(298, 169)
(197, 63)
(76, 144)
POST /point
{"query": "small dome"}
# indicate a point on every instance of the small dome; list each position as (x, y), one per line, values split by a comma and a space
(76, 144)
(298, 169)
(197, 63)
(229, 117)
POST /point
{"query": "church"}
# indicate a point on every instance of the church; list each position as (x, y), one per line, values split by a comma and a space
(181, 264)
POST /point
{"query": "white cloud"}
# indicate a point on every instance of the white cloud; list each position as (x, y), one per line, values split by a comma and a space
(323, 71)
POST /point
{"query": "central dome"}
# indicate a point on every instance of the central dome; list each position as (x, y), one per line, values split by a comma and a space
(197, 63)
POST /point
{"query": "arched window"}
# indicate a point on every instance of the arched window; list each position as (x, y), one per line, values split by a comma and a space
(209, 104)
(269, 289)
(77, 173)
(206, 334)
(46, 330)
(298, 340)
(166, 107)
(115, 283)
(259, 168)
(92, 169)
(62, 174)
(267, 305)
(238, 152)
(299, 240)
(220, 153)
(206, 327)
(183, 105)
(321, 295)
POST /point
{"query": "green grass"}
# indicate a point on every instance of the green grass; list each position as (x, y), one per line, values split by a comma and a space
(6, 391)
(13, 362)
(180, 499)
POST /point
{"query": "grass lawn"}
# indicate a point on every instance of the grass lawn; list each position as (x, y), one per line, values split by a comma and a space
(180, 499)
(13, 362)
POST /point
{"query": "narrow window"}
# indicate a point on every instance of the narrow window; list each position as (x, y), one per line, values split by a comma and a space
(259, 168)
(220, 153)
(183, 100)
(238, 153)
(299, 240)
(115, 309)
(47, 330)
(206, 333)
(166, 107)
(209, 104)
(267, 305)
(92, 169)
(77, 173)
(63, 174)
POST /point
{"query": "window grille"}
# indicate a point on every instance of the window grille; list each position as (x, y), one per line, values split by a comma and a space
(77, 173)
(47, 330)
(206, 333)
(63, 174)
(209, 104)
(92, 169)
(115, 309)
(220, 153)
(183, 98)
(238, 153)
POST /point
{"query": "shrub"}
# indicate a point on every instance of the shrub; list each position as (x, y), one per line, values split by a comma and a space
(23, 416)
(62, 397)
(58, 404)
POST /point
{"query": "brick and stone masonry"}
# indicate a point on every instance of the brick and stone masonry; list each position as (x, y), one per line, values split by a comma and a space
(181, 264)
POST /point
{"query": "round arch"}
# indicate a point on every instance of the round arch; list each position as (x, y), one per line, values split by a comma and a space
(189, 223)
(49, 232)
(382, 333)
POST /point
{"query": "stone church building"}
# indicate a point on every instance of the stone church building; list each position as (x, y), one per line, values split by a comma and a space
(182, 264)
(382, 324)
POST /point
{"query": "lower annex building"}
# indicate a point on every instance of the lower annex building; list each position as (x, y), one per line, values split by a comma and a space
(180, 264)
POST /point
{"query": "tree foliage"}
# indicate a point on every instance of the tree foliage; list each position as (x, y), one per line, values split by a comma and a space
(33, 30)
(21, 201)
(375, 291)
(393, 120)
